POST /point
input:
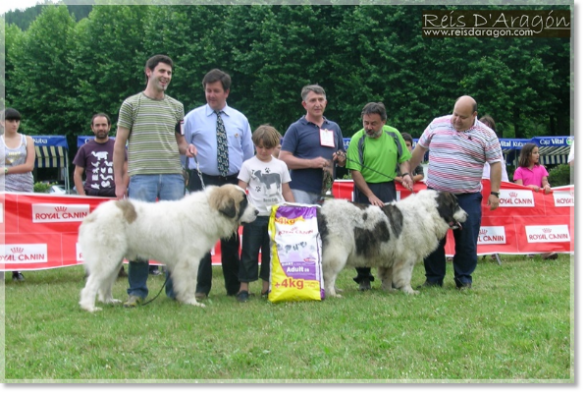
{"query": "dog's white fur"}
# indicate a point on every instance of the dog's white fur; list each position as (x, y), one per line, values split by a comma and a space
(421, 230)
(176, 233)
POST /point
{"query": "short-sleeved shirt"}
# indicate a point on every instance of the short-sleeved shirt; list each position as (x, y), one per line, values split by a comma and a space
(98, 161)
(487, 169)
(531, 177)
(303, 140)
(456, 159)
(265, 180)
(152, 144)
(380, 155)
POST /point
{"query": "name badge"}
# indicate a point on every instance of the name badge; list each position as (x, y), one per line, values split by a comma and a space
(327, 138)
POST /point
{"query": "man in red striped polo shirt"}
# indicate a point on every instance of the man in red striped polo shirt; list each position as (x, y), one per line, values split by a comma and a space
(459, 145)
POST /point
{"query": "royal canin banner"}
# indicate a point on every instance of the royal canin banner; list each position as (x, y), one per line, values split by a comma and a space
(39, 231)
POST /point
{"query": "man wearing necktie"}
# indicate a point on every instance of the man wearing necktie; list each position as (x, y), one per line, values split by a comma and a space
(222, 139)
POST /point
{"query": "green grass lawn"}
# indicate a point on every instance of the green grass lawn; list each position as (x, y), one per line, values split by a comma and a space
(515, 325)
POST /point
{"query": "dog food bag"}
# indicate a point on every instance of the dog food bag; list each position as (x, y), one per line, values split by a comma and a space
(296, 273)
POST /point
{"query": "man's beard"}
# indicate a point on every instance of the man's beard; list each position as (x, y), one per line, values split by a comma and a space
(375, 135)
(101, 135)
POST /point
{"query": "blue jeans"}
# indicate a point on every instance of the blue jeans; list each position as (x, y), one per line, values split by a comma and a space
(385, 191)
(149, 188)
(465, 259)
(255, 237)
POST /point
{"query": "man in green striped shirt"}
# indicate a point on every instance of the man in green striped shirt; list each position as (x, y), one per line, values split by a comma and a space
(150, 122)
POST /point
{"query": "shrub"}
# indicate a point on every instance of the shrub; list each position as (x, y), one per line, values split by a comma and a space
(560, 175)
(41, 187)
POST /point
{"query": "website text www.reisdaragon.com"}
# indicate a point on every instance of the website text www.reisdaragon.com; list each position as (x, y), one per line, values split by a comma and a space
(477, 32)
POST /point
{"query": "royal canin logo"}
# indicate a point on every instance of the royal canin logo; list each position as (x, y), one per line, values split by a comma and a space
(61, 209)
(483, 231)
(513, 194)
(17, 250)
(546, 230)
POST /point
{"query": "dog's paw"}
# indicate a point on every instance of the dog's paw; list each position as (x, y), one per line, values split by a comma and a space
(91, 309)
(195, 303)
(113, 301)
(410, 291)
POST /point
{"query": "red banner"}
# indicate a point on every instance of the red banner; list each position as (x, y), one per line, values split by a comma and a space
(39, 231)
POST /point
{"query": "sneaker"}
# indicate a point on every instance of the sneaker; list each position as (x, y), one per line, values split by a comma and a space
(428, 284)
(243, 296)
(552, 256)
(133, 301)
(200, 296)
(264, 294)
(154, 271)
(17, 276)
(365, 285)
(464, 286)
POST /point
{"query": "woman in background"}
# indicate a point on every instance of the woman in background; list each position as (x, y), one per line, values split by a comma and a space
(17, 159)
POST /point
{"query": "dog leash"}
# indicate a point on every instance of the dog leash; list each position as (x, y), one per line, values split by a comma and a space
(199, 173)
(160, 291)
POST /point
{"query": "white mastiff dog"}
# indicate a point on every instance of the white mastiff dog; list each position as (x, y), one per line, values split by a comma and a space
(392, 238)
(176, 233)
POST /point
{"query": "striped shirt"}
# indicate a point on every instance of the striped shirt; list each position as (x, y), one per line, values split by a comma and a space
(152, 145)
(10, 157)
(456, 159)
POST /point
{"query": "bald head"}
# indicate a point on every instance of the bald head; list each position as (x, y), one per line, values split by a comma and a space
(464, 113)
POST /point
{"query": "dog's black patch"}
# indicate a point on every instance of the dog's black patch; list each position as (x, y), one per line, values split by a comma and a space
(243, 206)
(368, 242)
(394, 217)
(322, 226)
(447, 206)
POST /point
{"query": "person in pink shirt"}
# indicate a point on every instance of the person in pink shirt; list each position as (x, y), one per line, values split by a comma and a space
(531, 174)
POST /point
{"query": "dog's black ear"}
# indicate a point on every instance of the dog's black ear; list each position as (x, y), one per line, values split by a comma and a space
(447, 204)
(228, 208)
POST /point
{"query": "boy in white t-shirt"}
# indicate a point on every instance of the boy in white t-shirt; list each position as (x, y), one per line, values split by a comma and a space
(267, 180)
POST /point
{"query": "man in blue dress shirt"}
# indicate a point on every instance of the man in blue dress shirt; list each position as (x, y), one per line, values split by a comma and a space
(207, 128)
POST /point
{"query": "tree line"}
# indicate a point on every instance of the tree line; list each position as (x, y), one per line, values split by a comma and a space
(62, 68)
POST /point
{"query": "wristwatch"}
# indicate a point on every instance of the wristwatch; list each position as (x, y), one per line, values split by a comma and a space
(405, 174)
(497, 194)
(6, 170)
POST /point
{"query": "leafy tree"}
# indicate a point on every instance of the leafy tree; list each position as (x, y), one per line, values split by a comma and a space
(11, 37)
(40, 84)
(108, 58)
(61, 71)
